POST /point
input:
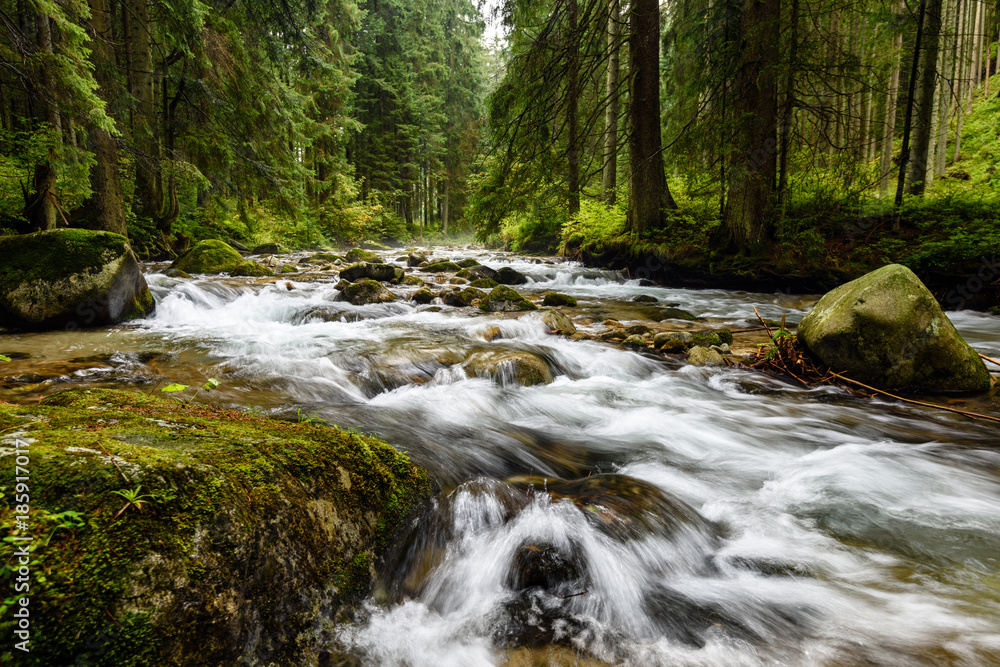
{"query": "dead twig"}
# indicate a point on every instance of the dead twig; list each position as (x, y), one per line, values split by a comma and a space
(910, 400)
(992, 361)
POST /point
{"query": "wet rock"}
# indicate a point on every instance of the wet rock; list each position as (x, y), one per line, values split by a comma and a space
(646, 282)
(252, 269)
(355, 255)
(706, 338)
(70, 278)
(416, 258)
(644, 298)
(467, 263)
(380, 272)
(412, 280)
(672, 314)
(288, 268)
(366, 291)
(470, 296)
(422, 295)
(176, 273)
(638, 330)
(479, 272)
(210, 256)
(886, 329)
(612, 334)
(268, 249)
(330, 257)
(669, 345)
(543, 565)
(239, 246)
(703, 356)
(721, 349)
(505, 299)
(509, 367)
(207, 562)
(342, 285)
(634, 341)
(492, 333)
(484, 283)
(725, 335)
(442, 267)
(556, 321)
(457, 281)
(556, 299)
(508, 276)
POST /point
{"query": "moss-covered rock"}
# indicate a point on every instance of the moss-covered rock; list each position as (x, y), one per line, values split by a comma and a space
(484, 283)
(251, 538)
(703, 356)
(442, 267)
(412, 280)
(508, 276)
(176, 273)
(70, 278)
(366, 291)
(288, 268)
(355, 255)
(422, 295)
(211, 256)
(416, 258)
(556, 321)
(479, 272)
(557, 299)
(887, 330)
(253, 269)
(268, 249)
(672, 313)
(509, 367)
(467, 263)
(374, 271)
(327, 257)
(470, 296)
(504, 299)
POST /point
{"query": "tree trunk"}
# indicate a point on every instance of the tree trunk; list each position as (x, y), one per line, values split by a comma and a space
(444, 206)
(105, 181)
(42, 212)
(973, 40)
(889, 123)
(648, 193)
(904, 154)
(753, 159)
(148, 181)
(572, 111)
(946, 94)
(789, 109)
(960, 71)
(923, 102)
(609, 182)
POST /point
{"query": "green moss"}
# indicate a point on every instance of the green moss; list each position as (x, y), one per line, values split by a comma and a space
(240, 507)
(442, 267)
(484, 283)
(252, 268)
(361, 255)
(557, 299)
(210, 256)
(37, 256)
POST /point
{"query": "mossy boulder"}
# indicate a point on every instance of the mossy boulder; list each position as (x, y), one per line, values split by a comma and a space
(253, 269)
(467, 263)
(557, 299)
(366, 291)
(509, 367)
(416, 258)
(479, 272)
(703, 356)
(886, 329)
(422, 295)
(442, 267)
(288, 268)
(504, 299)
(361, 255)
(374, 271)
(508, 276)
(268, 249)
(470, 296)
(252, 539)
(326, 257)
(412, 280)
(556, 321)
(211, 256)
(484, 283)
(70, 278)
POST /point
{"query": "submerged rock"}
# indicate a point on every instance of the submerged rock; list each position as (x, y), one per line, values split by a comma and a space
(509, 367)
(70, 278)
(557, 299)
(505, 299)
(381, 272)
(366, 291)
(558, 322)
(210, 256)
(886, 329)
(250, 540)
(704, 356)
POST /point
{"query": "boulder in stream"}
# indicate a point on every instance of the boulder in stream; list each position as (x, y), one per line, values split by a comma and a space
(247, 541)
(887, 330)
(479, 272)
(355, 255)
(211, 256)
(366, 291)
(416, 258)
(515, 367)
(558, 299)
(704, 356)
(556, 321)
(70, 278)
(251, 268)
(442, 267)
(470, 296)
(375, 271)
(504, 299)
(508, 276)
(422, 295)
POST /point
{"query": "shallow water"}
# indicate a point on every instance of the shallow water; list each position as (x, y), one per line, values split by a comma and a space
(718, 517)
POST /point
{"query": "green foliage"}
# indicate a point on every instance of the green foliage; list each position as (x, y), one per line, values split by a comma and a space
(596, 223)
(176, 388)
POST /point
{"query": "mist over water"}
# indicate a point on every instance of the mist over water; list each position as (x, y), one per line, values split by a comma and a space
(633, 510)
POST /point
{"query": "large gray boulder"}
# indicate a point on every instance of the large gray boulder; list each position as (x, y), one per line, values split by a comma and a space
(887, 330)
(70, 278)
(211, 256)
(364, 292)
(375, 271)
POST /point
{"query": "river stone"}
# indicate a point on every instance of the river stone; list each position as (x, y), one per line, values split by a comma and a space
(470, 296)
(509, 276)
(557, 299)
(355, 255)
(644, 298)
(416, 258)
(455, 280)
(480, 272)
(509, 367)
(467, 263)
(374, 271)
(887, 330)
(505, 299)
(422, 295)
(288, 268)
(556, 321)
(635, 340)
(703, 356)
(442, 267)
(238, 542)
(484, 283)
(366, 291)
(211, 256)
(70, 278)
(412, 280)
(268, 249)
(252, 269)
(176, 273)
(543, 565)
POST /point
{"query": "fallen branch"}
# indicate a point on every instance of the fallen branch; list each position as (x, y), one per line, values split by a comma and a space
(910, 400)
(992, 361)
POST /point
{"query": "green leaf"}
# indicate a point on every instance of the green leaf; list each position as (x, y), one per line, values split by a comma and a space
(173, 388)
(211, 384)
(4, 358)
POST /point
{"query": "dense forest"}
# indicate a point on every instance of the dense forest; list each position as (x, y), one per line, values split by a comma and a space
(785, 133)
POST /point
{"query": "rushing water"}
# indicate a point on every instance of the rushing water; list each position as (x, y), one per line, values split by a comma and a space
(635, 510)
